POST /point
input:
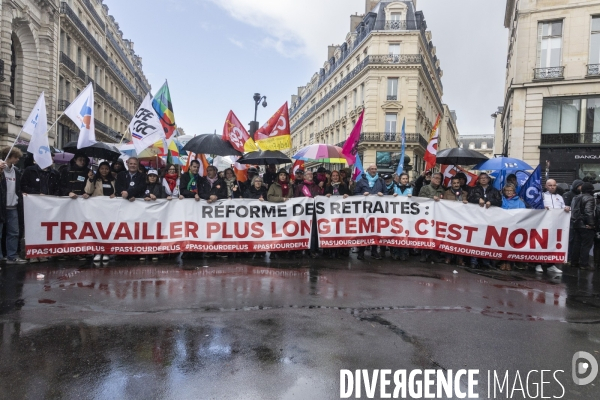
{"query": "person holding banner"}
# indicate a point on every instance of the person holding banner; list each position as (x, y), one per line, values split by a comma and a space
(370, 184)
(279, 192)
(455, 193)
(189, 181)
(212, 188)
(309, 188)
(117, 167)
(403, 188)
(423, 180)
(390, 185)
(102, 184)
(74, 178)
(463, 182)
(154, 188)
(131, 183)
(486, 196)
(234, 188)
(434, 191)
(256, 191)
(171, 182)
(11, 200)
(554, 200)
(36, 180)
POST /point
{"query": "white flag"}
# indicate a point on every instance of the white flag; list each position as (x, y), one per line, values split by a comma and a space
(145, 127)
(37, 126)
(81, 112)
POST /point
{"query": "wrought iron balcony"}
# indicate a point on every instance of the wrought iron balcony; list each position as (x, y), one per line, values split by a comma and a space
(122, 77)
(593, 70)
(1, 70)
(100, 91)
(549, 73)
(63, 104)
(100, 126)
(66, 10)
(116, 45)
(376, 137)
(92, 11)
(570, 138)
(395, 58)
(118, 107)
(403, 25)
(66, 60)
(81, 74)
(392, 97)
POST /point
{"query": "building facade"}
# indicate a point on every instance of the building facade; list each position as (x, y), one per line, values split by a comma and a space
(552, 102)
(387, 67)
(59, 48)
(481, 143)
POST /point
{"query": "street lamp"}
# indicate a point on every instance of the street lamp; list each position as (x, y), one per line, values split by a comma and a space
(257, 100)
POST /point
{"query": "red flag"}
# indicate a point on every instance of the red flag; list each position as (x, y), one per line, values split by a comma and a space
(298, 164)
(275, 133)
(431, 153)
(235, 133)
(241, 171)
(450, 170)
(350, 148)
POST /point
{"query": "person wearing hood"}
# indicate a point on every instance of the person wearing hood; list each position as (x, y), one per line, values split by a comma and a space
(370, 184)
(117, 167)
(74, 178)
(154, 188)
(575, 190)
(234, 188)
(212, 188)
(584, 226)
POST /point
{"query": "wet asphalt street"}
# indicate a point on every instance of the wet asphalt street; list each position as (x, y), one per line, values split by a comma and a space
(282, 329)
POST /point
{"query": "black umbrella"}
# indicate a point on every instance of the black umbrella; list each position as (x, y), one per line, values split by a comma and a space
(23, 148)
(210, 143)
(265, 157)
(459, 156)
(97, 150)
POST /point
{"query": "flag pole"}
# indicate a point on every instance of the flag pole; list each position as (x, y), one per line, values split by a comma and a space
(13, 145)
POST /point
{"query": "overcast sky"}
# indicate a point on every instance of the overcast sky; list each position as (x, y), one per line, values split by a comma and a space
(217, 53)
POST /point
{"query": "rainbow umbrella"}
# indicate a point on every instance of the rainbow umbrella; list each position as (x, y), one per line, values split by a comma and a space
(324, 153)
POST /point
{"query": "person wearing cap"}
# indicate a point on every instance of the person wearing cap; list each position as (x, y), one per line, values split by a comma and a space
(212, 188)
(298, 176)
(154, 188)
(390, 185)
(463, 182)
(74, 178)
(584, 226)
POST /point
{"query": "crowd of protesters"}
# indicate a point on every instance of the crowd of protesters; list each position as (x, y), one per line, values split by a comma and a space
(131, 181)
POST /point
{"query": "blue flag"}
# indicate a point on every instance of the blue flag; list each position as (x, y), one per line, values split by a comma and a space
(531, 191)
(403, 149)
(358, 169)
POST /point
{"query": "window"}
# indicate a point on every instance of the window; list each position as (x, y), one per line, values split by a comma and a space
(549, 44)
(68, 46)
(354, 104)
(595, 41)
(67, 91)
(483, 145)
(392, 89)
(390, 122)
(362, 93)
(79, 57)
(560, 116)
(394, 49)
(396, 16)
(471, 145)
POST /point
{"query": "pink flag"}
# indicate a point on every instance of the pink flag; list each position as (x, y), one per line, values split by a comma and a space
(351, 146)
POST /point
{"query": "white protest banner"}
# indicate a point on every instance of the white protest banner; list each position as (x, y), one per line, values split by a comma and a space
(101, 225)
(447, 226)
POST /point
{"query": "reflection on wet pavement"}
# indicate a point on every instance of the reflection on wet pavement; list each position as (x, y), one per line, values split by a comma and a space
(258, 330)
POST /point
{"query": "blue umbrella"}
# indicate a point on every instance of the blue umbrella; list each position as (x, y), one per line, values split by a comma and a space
(502, 164)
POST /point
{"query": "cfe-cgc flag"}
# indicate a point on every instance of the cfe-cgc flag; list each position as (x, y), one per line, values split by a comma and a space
(81, 112)
(531, 191)
(37, 126)
(145, 127)
(431, 153)
(235, 133)
(350, 148)
(275, 133)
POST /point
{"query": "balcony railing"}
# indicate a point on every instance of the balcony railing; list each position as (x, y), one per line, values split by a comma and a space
(122, 77)
(100, 91)
(392, 97)
(92, 11)
(118, 107)
(570, 138)
(2, 71)
(66, 10)
(395, 58)
(63, 104)
(401, 25)
(593, 70)
(81, 74)
(392, 137)
(549, 73)
(140, 81)
(66, 60)
(116, 45)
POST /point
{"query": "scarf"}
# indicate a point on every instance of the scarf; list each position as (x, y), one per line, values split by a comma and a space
(213, 180)
(372, 180)
(306, 188)
(171, 181)
(230, 183)
(285, 188)
(193, 183)
(391, 185)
